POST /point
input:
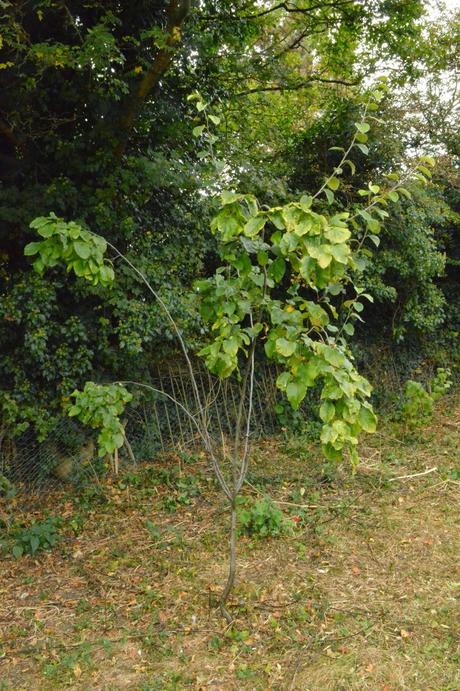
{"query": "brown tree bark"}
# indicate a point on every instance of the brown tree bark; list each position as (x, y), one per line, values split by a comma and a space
(176, 14)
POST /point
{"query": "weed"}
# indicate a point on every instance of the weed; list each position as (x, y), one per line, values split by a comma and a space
(184, 490)
(93, 495)
(262, 518)
(153, 530)
(76, 523)
(39, 536)
(69, 665)
(418, 401)
(167, 682)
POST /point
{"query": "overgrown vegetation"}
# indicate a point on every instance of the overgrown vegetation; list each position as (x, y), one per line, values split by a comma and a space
(360, 592)
(257, 185)
(109, 144)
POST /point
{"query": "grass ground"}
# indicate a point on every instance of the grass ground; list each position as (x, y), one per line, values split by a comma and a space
(362, 593)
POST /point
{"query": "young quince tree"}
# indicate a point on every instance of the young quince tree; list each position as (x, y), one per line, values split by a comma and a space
(284, 271)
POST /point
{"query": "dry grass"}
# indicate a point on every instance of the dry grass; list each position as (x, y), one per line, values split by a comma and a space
(362, 594)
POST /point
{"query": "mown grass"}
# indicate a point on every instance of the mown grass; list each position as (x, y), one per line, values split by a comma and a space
(362, 593)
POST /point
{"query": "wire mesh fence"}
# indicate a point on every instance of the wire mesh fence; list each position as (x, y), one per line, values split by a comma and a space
(156, 423)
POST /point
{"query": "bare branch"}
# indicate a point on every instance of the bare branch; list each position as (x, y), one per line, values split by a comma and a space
(304, 84)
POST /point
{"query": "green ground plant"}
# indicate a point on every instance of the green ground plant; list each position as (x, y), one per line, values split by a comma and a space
(418, 400)
(41, 535)
(262, 518)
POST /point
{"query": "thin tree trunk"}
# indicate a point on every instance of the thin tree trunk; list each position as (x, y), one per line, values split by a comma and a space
(177, 11)
(232, 563)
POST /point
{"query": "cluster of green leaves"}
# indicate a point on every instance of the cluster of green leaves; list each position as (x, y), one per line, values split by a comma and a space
(41, 535)
(418, 401)
(315, 255)
(99, 406)
(261, 518)
(82, 251)
(283, 268)
(264, 249)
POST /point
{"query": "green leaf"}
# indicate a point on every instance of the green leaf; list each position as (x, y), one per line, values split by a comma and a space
(328, 434)
(82, 249)
(322, 254)
(17, 551)
(228, 197)
(254, 226)
(374, 225)
(330, 196)
(283, 380)
(284, 347)
(333, 183)
(362, 127)
(327, 411)
(318, 316)
(198, 131)
(363, 148)
(306, 202)
(34, 544)
(341, 253)
(32, 248)
(351, 165)
(107, 274)
(230, 345)
(229, 223)
(262, 258)
(337, 235)
(310, 371)
(425, 171)
(367, 419)
(295, 392)
(394, 196)
(365, 214)
(404, 192)
(214, 119)
(334, 357)
(277, 269)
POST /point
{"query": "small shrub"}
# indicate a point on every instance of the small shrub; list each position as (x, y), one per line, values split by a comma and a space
(262, 518)
(418, 401)
(40, 535)
(417, 407)
(441, 383)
